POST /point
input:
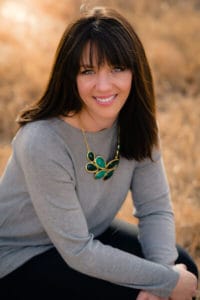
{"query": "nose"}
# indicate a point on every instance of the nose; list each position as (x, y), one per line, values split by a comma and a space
(103, 81)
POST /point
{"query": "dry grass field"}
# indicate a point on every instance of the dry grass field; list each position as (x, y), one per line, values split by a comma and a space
(169, 29)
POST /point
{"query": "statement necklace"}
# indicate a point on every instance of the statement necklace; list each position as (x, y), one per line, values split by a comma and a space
(97, 164)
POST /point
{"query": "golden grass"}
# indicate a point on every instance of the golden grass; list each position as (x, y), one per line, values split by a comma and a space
(29, 34)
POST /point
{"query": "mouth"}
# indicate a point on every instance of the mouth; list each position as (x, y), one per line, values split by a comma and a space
(106, 100)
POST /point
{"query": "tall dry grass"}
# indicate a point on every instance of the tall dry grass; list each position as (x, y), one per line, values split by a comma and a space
(29, 33)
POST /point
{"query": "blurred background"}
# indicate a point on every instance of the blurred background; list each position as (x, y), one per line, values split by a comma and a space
(170, 31)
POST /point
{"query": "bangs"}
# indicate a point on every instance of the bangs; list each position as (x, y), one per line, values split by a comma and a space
(102, 48)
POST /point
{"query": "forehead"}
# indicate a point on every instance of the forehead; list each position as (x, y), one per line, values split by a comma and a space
(90, 55)
(94, 54)
(87, 52)
(98, 51)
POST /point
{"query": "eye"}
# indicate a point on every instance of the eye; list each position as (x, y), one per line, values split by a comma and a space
(118, 69)
(86, 71)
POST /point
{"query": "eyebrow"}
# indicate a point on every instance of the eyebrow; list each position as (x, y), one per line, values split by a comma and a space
(86, 66)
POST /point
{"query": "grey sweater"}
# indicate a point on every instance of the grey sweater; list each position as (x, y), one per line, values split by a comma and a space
(48, 199)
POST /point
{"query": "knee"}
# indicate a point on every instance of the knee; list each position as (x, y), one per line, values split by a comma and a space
(185, 258)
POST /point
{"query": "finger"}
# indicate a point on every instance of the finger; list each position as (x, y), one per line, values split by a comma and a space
(183, 266)
(141, 296)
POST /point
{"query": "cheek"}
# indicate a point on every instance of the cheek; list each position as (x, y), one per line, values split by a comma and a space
(127, 86)
(78, 84)
(80, 87)
(127, 82)
(83, 87)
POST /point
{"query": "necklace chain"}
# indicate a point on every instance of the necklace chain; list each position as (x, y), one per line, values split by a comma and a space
(97, 164)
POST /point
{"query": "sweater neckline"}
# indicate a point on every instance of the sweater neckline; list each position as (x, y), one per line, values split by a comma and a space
(89, 133)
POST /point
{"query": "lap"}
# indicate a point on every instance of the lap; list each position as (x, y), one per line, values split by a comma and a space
(48, 274)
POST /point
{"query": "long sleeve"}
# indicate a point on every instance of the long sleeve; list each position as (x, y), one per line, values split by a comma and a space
(51, 182)
(154, 210)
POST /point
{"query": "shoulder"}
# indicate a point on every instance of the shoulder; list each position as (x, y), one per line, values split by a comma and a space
(37, 132)
(37, 146)
(156, 157)
(38, 137)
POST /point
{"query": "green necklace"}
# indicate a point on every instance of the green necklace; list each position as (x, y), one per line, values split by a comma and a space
(97, 164)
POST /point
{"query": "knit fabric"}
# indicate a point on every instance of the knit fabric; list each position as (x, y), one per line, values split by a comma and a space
(48, 199)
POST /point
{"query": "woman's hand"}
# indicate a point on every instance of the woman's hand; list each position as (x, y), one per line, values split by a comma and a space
(148, 296)
(186, 286)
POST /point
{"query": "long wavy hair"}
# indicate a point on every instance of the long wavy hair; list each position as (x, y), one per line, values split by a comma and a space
(115, 42)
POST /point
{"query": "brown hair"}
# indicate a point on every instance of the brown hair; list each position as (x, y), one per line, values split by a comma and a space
(117, 43)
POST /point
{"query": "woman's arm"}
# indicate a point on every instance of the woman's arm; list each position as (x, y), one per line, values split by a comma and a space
(156, 225)
(154, 210)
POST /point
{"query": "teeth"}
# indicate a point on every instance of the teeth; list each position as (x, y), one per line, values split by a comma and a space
(105, 100)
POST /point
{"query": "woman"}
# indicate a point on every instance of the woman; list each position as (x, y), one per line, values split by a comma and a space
(90, 138)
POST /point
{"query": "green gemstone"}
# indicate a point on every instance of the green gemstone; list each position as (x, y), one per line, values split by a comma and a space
(100, 162)
(112, 164)
(90, 156)
(108, 175)
(100, 174)
(91, 167)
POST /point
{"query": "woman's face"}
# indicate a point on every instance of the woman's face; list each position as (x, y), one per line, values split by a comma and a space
(103, 90)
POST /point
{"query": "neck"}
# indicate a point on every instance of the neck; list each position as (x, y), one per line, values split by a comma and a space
(92, 125)
(87, 124)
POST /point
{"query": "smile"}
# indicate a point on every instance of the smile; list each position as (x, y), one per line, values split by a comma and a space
(105, 100)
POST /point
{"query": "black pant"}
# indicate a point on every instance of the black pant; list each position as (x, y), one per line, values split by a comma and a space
(47, 276)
